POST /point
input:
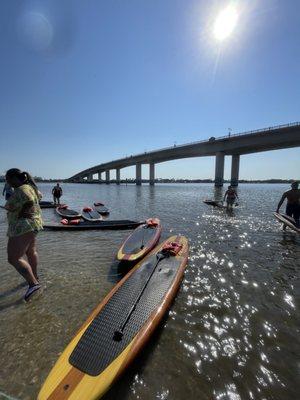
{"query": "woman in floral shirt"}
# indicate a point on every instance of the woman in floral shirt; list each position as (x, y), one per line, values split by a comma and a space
(24, 222)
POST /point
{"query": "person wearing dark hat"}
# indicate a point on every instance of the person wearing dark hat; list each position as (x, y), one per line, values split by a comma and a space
(292, 197)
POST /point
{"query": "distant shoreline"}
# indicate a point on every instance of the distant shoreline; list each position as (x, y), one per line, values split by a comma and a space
(132, 181)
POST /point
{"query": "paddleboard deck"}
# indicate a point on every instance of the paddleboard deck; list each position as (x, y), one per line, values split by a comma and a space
(101, 208)
(95, 358)
(287, 220)
(88, 214)
(47, 204)
(214, 203)
(67, 213)
(84, 225)
(140, 242)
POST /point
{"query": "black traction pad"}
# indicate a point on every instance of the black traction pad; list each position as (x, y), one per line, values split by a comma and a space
(91, 215)
(213, 203)
(142, 236)
(102, 209)
(65, 212)
(47, 204)
(97, 348)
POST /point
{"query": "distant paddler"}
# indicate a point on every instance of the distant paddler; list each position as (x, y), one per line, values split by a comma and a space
(292, 197)
(24, 222)
(57, 193)
(230, 196)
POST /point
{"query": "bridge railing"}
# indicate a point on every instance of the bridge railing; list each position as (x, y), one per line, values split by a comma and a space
(276, 127)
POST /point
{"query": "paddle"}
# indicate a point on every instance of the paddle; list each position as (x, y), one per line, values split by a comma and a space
(118, 335)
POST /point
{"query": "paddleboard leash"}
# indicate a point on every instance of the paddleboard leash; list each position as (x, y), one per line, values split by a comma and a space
(6, 396)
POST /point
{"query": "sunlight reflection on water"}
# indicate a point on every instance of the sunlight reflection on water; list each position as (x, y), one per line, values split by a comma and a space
(233, 330)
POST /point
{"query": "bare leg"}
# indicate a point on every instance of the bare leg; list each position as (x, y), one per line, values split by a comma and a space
(33, 257)
(16, 249)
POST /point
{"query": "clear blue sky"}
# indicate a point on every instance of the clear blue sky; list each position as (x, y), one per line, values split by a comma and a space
(84, 82)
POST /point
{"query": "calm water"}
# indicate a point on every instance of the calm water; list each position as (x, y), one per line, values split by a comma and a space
(233, 331)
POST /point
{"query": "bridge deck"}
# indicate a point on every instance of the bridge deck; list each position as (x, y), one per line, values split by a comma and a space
(273, 138)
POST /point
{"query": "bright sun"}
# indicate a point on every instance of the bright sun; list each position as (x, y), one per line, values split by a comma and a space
(225, 23)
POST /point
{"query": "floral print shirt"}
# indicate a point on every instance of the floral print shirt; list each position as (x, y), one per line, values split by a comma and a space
(19, 224)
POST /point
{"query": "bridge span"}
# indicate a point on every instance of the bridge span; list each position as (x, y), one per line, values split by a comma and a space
(273, 138)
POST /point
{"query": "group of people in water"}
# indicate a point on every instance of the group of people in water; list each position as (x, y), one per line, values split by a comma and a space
(292, 197)
(25, 220)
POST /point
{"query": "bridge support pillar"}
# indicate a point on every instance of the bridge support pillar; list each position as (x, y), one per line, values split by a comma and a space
(151, 173)
(90, 178)
(107, 176)
(219, 171)
(235, 167)
(118, 176)
(99, 176)
(138, 176)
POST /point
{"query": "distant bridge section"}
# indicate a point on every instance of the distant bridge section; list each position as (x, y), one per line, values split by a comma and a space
(273, 138)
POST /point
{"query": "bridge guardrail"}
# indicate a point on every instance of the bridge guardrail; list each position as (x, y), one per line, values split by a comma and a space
(220, 138)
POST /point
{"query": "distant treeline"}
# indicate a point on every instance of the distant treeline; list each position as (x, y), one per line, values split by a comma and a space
(39, 179)
(195, 181)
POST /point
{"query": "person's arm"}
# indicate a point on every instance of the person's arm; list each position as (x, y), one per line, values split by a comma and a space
(53, 191)
(27, 201)
(11, 204)
(225, 195)
(27, 210)
(9, 207)
(3, 191)
(281, 201)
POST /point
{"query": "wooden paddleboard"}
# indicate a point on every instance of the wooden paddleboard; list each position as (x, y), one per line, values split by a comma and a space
(101, 208)
(140, 241)
(94, 359)
(90, 214)
(214, 203)
(47, 204)
(287, 220)
(86, 225)
(65, 212)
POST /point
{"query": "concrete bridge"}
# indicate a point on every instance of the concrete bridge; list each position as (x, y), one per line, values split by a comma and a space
(273, 138)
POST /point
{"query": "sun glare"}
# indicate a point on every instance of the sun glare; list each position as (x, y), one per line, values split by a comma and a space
(225, 23)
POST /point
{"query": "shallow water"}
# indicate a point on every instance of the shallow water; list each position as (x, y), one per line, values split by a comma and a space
(233, 330)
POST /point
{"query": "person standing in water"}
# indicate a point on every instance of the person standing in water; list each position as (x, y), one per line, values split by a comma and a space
(24, 222)
(7, 191)
(57, 193)
(293, 203)
(230, 196)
